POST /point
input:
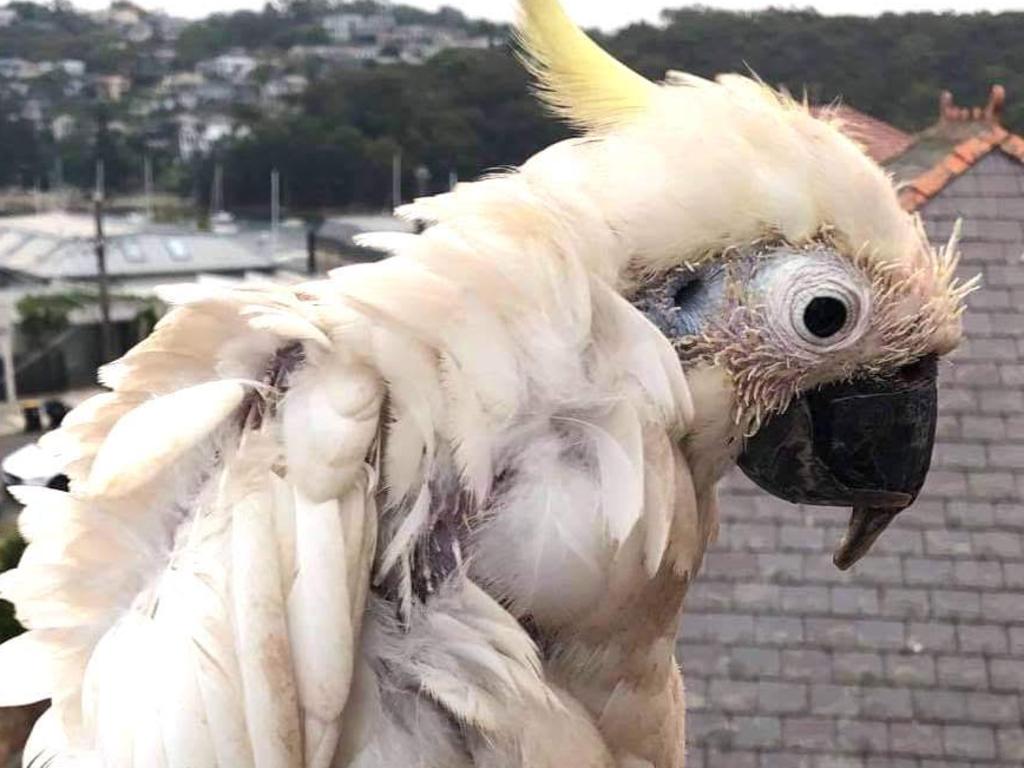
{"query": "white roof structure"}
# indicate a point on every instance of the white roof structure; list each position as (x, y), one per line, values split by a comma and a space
(344, 229)
(60, 246)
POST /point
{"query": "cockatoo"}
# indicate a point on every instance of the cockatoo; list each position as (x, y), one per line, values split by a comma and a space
(443, 510)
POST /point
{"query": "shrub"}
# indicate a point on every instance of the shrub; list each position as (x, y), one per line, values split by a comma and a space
(10, 553)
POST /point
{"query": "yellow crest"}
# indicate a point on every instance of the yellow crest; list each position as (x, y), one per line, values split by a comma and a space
(577, 79)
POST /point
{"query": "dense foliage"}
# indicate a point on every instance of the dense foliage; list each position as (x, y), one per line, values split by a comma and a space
(468, 111)
(11, 548)
(270, 28)
(892, 66)
(55, 31)
(462, 112)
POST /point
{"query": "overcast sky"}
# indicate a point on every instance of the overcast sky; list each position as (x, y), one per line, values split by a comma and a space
(606, 13)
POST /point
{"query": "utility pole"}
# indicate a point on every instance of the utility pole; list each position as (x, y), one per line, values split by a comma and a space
(423, 177)
(106, 341)
(311, 250)
(7, 330)
(396, 179)
(217, 191)
(275, 209)
(147, 181)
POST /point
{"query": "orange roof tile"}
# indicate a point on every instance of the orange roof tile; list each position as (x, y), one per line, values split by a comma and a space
(990, 135)
(1013, 145)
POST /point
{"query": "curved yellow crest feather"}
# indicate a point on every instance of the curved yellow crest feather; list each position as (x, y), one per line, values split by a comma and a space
(577, 79)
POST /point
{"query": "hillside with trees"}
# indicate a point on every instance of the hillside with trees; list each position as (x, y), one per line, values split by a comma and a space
(469, 111)
(465, 111)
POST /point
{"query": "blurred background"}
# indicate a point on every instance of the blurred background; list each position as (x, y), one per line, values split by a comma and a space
(230, 141)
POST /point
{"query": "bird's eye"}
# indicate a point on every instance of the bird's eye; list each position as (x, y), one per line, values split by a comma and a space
(825, 316)
(817, 301)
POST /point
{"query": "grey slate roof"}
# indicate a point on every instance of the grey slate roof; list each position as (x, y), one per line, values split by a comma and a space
(60, 246)
(916, 658)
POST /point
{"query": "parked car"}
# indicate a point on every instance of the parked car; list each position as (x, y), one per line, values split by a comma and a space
(33, 465)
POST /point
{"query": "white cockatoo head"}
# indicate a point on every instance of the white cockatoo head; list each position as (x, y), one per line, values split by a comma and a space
(807, 307)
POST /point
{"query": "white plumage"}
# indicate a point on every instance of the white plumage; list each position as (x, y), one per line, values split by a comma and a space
(441, 510)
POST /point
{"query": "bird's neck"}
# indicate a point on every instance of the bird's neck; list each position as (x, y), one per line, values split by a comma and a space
(620, 665)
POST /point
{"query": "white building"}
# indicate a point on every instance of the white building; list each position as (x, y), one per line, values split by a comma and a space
(234, 67)
(331, 54)
(7, 17)
(63, 126)
(350, 27)
(179, 81)
(284, 87)
(16, 69)
(72, 67)
(123, 15)
(196, 137)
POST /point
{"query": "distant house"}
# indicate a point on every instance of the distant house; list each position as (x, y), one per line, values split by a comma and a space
(123, 14)
(7, 17)
(112, 87)
(179, 90)
(331, 55)
(20, 69)
(15, 69)
(63, 126)
(197, 136)
(72, 67)
(284, 87)
(357, 27)
(233, 67)
(180, 81)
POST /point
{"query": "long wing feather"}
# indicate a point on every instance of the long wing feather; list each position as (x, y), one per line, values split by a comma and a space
(154, 435)
(208, 615)
(264, 651)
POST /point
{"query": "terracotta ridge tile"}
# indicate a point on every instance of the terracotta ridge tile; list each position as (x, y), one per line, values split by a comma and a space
(1013, 144)
(964, 155)
(976, 147)
(911, 199)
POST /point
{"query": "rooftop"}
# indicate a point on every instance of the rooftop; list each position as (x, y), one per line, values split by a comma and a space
(60, 246)
(956, 142)
(880, 140)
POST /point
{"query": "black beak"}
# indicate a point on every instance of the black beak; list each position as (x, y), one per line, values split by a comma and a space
(866, 444)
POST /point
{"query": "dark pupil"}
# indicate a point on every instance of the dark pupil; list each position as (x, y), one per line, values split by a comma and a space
(825, 316)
